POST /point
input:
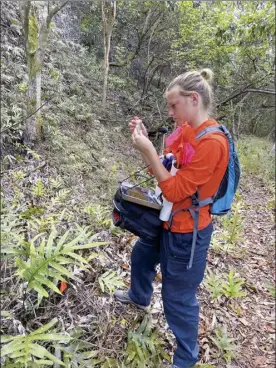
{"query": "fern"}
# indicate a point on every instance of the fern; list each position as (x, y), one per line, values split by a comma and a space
(144, 349)
(11, 229)
(225, 344)
(78, 353)
(98, 213)
(38, 189)
(21, 350)
(233, 287)
(61, 196)
(56, 183)
(214, 284)
(110, 281)
(46, 261)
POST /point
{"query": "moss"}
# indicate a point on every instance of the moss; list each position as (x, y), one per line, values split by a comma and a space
(34, 66)
(33, 34)
(14, 21)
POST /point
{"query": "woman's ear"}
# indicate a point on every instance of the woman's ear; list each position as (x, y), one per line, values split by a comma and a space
(195, 98)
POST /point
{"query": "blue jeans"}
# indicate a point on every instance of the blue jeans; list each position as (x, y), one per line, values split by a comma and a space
(179, 285)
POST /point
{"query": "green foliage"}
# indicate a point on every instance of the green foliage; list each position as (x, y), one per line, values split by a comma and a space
(23, 351)
(78, 353)
(110, 281)
(38, 189)
(11, 123)
(227, 240)
(233, 286)
(100, 215)
(271, 288)
(46, 260)
(232, 225)
(225, 344)
(23, 87)
(257, 157)
(144, 349)
(229, 285)
(214, 284)
(33, 34)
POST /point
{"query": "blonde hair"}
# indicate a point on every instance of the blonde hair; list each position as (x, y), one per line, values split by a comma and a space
(200, 82)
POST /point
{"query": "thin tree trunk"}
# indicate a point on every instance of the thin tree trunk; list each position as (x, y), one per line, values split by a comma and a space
(108, 19)
(35, 47)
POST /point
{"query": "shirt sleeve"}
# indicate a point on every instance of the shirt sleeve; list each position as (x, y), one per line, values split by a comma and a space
(194, 174)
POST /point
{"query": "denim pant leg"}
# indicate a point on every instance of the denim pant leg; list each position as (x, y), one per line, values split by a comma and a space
(144, 259)
(179, 287)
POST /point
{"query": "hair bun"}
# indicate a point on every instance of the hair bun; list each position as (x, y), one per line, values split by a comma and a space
(207, 74)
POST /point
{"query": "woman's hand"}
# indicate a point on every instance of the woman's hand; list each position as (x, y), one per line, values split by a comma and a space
(132, 126)
(142, 143)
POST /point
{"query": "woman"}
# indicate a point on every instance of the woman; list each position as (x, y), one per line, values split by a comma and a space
(202, 165)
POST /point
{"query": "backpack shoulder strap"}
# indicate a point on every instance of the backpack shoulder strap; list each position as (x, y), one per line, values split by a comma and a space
(212, 129)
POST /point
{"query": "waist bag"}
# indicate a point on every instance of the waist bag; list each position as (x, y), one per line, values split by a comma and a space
(138, 219)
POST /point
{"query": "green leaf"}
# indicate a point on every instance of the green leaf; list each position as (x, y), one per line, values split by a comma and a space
(91, 245)
(61, 269)
(61, 241)
(11, 348)
(78, 257)
(44, 328)
(43, 362)
(6, 338)
(49, 245)
(50, 284)
(51, 337)
(37, 287)
(6, 314)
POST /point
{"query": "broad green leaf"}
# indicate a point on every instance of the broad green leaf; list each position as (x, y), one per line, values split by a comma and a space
(11, 347)
(92, 245)
(44, 328)
(37, 287)
(6, 314)
(49, 245)
(61, 241)
(78, 257)
(61, 269)
(50, 284)
(6, 338)
(52, 337)
(43, 362)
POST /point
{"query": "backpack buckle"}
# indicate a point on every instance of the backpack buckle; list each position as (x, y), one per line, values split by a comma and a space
(194, 198)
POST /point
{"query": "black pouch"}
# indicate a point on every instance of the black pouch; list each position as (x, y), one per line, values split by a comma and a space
(140, 220)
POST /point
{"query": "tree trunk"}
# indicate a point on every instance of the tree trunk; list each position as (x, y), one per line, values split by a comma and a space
(108, 19)
(36, 21)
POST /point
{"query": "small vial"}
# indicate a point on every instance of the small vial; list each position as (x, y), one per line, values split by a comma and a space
(138, 126)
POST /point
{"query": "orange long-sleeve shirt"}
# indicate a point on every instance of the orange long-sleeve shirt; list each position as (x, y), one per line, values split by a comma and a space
(204, 173)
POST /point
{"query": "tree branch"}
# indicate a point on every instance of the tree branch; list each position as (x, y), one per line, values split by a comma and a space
(269, 92)
(245, 91)
(54, 11)
(141, 37)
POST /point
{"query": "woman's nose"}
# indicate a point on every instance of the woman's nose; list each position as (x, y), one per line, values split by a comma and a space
(171, 112)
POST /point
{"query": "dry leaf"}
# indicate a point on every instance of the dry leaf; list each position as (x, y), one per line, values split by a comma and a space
(243, 321)
(259, 361)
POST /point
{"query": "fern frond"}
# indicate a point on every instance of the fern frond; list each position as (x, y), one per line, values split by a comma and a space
(144, 347)
(23, 349)
(47, 261)
(110, 281)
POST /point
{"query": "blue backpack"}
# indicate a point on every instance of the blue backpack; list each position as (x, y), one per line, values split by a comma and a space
(220, 203)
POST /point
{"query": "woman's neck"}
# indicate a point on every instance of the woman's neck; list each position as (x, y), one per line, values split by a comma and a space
(199, 119)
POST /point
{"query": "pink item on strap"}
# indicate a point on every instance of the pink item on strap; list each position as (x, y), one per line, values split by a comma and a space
(189, 152)
(171, 138)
